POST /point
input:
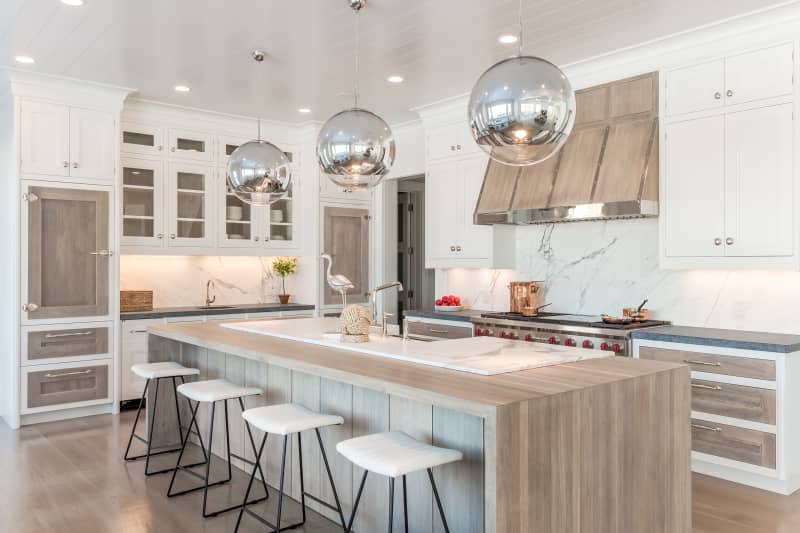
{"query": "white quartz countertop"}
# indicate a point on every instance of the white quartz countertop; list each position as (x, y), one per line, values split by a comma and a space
(478, 355)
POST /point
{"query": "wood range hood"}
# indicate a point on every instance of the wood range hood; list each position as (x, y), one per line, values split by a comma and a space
(608, 168)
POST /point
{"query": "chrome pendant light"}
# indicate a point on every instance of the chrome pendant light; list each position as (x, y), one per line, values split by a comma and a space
(355, 148)
(522, 109)
(258, 172)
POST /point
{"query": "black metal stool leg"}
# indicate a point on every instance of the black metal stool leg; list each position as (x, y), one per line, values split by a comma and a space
(330, 478)
(136, 422)
(253, 444)
(252, 478)
(302, 478)
(438, 501)
(183, 449)
(405, 504)
(391, 503)
(152, 421)
(283, 474)
(177, 409)
(210, 457)
(355, 504)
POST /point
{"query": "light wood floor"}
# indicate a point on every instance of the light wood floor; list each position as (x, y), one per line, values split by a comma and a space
(68, 477)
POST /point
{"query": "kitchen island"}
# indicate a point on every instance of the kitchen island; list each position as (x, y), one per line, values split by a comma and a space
(598, 445)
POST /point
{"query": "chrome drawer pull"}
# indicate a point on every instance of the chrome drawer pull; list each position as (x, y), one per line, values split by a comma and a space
(704, 363)
(707, 428)
(434, 330)
(74, 334)
(706, 387)
(138, 331)
(66, 374)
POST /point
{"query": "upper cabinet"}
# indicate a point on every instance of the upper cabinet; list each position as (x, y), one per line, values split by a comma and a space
(737, 79)
(193, 145)
(729, 187)
(64, 141)
(141, 139)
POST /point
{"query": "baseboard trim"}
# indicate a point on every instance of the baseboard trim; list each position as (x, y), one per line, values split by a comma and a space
(65, 414)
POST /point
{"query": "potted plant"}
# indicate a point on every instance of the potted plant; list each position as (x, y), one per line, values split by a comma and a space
(284, 266)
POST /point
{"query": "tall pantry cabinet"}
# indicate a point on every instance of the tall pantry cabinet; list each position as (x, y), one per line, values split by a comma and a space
(59, 315)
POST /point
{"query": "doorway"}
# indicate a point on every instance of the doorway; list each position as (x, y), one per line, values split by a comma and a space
(411, 272)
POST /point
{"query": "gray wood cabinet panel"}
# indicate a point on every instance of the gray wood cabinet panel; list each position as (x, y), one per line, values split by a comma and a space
(415, 419)
(68, 231)
(370, 415)
(306, 392)
(346, 240)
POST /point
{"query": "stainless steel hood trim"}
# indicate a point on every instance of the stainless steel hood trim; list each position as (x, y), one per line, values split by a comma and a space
(573, 213)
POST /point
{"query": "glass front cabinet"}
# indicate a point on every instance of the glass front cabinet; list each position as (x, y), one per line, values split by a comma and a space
(67, 260)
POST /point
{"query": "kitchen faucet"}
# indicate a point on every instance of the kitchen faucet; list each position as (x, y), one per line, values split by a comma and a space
(379, 288)
(210, 299)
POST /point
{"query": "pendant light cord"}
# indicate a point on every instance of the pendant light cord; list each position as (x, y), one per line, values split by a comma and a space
(519, 46)
(358, 46)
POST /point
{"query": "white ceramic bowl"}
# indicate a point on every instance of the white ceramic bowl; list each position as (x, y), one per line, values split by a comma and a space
(234, 212)
(449, 308)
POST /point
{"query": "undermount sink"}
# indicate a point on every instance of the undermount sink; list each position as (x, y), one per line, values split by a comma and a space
(215, 307)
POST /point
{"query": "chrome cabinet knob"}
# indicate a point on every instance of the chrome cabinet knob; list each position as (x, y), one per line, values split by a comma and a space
(729, 93)
(65, 164)
(728, 241)
(160, 236)
(255, 238)
(171, 235)
(75, 164)
(717, 95)
(30, 307)
(717, 242)
(160, 147)
(458, 248)
(458, 147)
(172, 149)
(452, 248)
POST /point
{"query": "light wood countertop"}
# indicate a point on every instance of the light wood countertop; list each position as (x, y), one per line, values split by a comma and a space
(479, 394)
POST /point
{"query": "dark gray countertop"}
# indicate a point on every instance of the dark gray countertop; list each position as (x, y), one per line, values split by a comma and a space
(163, 312)
(458, 316)
(723, 338)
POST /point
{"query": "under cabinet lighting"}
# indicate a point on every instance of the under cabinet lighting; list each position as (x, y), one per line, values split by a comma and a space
(24, 59)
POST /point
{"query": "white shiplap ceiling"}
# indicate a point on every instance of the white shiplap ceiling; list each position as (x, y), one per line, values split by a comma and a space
(439, 46)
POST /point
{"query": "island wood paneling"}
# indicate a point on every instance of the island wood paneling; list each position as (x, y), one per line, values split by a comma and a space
(370, 415)
(306, 390)
(336, 399)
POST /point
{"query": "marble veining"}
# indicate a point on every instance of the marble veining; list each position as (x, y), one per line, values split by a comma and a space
(602, 266)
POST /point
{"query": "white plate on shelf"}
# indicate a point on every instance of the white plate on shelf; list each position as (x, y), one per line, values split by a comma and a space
(449, 308)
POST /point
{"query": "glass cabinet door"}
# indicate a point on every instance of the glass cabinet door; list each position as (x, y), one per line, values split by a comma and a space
(280, 221)
(68, 260)
(142, 203)
(191, 190)
(239, 227)
(143, 139)
(191, 145)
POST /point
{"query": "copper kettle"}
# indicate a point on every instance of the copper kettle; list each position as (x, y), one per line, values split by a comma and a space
(525, 294)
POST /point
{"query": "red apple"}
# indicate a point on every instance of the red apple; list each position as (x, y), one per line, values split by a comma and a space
(439, 302)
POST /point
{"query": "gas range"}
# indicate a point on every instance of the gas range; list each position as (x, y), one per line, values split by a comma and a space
(585, 331)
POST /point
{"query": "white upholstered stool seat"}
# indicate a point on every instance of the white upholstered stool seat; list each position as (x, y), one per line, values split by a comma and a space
(288, 418)
(395, 454)
(163, 370)
(215, 390)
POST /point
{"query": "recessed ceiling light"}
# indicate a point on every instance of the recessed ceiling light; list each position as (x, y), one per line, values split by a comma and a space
(508, 39)
(395, 79)
(72, 2)
(182, 88)
(304, 110)
(24, 59)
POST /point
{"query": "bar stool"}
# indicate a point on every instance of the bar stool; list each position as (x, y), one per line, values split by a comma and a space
(157, 372)
(213, 391)
(395, 454)
(287, 419)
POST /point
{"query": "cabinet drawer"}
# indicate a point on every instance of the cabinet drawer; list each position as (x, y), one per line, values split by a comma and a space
(439, 331)
(744, 367)
(738, 444)
(734, 401)
(55, 386)
(41, 346)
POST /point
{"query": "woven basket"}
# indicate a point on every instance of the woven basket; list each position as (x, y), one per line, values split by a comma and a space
(135, 301)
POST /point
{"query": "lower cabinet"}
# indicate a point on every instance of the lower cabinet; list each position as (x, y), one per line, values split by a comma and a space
(743, 403)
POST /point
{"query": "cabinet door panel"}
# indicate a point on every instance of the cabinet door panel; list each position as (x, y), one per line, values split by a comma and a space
(67, 259)
(142, 203)
(442, 210)
(193, 145)
(760, 74)
(240, 220)
(92, 144)
(694, 188)
(475, 241)
(696, 88)
(191, 189)
(44, 142)
(444, 141)
(758, 187)
(142, 139)
(346, 240)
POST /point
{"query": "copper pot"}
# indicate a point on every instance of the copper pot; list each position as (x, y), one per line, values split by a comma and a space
(524, 294)
(532, 311)
(637, 314)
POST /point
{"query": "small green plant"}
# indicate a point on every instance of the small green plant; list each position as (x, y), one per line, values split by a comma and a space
(284, 266)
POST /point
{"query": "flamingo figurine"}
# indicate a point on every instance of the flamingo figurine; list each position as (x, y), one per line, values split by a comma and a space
(337, 282)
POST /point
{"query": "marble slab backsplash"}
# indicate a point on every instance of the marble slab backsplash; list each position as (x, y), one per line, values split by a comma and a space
(601, 267)
(181, 280)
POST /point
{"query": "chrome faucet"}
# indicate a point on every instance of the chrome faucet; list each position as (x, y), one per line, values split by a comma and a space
(210, 299)
(379, 288)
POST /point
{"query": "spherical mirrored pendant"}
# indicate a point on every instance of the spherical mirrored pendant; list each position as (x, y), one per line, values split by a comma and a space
(355, 149)
(258, 173)
(522, 110)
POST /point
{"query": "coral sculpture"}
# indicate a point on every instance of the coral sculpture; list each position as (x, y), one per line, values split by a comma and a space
(355, 322)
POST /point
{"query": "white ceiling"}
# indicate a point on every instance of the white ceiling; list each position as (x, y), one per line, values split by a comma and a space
(439, 46)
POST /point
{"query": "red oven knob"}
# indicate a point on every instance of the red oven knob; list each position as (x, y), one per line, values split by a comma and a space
(513, 336)
(529, 338)
(605, 346)
(552, 340)
(503, 334)
(570, 342)
(616, 348)
(588, 344)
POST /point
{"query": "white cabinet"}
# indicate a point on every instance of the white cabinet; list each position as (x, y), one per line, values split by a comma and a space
(58, 140)
(450, 140)
(190, 205)
(134, 352)
(729, 189)
(733, 80)
(143, 202)
(452, 187)
(141, 139)
(193, 145)
(330, 191)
